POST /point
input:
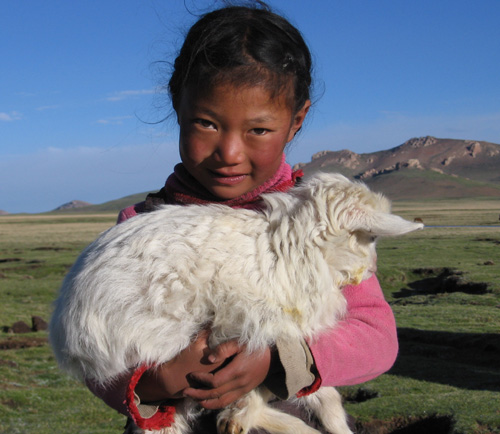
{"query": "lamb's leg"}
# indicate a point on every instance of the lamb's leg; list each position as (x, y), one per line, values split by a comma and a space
(252, 411)
(326, 404)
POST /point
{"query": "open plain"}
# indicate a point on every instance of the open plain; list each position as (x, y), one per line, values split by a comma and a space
(443, 284)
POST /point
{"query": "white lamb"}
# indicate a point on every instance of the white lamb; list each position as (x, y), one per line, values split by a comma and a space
(145, 288)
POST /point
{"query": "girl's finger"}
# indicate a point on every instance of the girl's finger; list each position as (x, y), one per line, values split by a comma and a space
(222, 401)
(214, 398)
(224, 351)
(224, 378)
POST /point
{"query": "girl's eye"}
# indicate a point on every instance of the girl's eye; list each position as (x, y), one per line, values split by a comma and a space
(260, 131)
(204, 123)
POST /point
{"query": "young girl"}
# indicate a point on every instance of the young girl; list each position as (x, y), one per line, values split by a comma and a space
(241, 91)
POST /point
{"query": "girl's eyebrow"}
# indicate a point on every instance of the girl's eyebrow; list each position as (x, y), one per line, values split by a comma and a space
(262, 119)
(204, 110)
(258, 119)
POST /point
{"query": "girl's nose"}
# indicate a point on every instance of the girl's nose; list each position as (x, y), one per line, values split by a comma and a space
(230, 149)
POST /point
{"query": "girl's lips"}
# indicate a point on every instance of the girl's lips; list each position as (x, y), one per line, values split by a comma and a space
(228, 179)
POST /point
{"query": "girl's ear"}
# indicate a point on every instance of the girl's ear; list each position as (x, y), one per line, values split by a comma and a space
(298, 120)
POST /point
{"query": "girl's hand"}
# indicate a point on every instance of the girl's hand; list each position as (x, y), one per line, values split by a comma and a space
(241, 373)
(168, 381)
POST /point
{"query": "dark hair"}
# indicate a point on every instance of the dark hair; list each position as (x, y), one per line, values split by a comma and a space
(241, 45)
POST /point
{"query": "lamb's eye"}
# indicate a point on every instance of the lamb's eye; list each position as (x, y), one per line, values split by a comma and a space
(373, 238)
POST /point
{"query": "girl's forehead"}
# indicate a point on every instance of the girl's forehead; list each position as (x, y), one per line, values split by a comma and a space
(256, 97)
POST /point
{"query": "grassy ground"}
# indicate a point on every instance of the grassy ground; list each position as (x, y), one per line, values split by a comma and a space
(443, 284)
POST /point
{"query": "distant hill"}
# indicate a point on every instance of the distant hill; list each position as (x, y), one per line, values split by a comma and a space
(421, 168)
(74, 204)
(111, 206)
(2, 212)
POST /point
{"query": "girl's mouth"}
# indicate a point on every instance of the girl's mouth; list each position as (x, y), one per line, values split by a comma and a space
(228, 179)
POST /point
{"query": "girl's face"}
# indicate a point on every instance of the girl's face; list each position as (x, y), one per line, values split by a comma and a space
(232, 139)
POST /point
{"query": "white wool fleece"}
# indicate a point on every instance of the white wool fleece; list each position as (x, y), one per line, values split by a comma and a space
(145, 288)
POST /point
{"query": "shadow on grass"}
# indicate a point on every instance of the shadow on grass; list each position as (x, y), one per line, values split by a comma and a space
(441, 280)
(429, 425)
(465, 360)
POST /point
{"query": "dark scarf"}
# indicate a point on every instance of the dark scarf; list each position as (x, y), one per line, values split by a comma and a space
(183, 189)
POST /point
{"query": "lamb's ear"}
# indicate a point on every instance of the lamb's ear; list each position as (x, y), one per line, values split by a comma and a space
(383, 224)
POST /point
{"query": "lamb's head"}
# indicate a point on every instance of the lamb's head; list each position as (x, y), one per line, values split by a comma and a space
(351, 218)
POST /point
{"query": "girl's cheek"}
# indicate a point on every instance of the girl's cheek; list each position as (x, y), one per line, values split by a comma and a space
(271, 151)
(195, 147)
(268, 161)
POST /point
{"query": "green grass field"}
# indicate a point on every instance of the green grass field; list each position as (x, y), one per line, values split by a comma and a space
(443, 284)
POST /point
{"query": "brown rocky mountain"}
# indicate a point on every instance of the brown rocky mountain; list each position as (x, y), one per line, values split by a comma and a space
(421, 168)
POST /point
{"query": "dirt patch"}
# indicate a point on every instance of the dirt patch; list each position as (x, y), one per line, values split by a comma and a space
(433, 424)
(489, 240)
(19, 327)
(37, 324)
(15, 343)
(5, 260)
(441, 280)
(55, 249)
(19, 264)
(11, 403)
(36, 261)
(9, 363)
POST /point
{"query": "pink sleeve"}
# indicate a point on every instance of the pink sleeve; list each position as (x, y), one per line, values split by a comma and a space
(127, 213)
(364, 345)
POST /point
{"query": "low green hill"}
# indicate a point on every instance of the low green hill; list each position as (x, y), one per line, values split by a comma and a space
(112, 206)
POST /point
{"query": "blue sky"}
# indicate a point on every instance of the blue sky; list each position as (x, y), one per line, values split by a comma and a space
(78, 86)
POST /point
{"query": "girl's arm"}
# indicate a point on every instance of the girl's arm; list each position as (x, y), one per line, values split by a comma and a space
(148, 393)
(364, 345)
(361, 347)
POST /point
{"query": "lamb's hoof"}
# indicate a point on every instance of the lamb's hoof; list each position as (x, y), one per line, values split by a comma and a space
(229, 426)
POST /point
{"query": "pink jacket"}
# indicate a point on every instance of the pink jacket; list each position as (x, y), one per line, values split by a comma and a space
(363, 346)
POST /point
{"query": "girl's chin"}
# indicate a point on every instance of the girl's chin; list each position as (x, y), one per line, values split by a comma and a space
(229, 187)
(228, 192)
